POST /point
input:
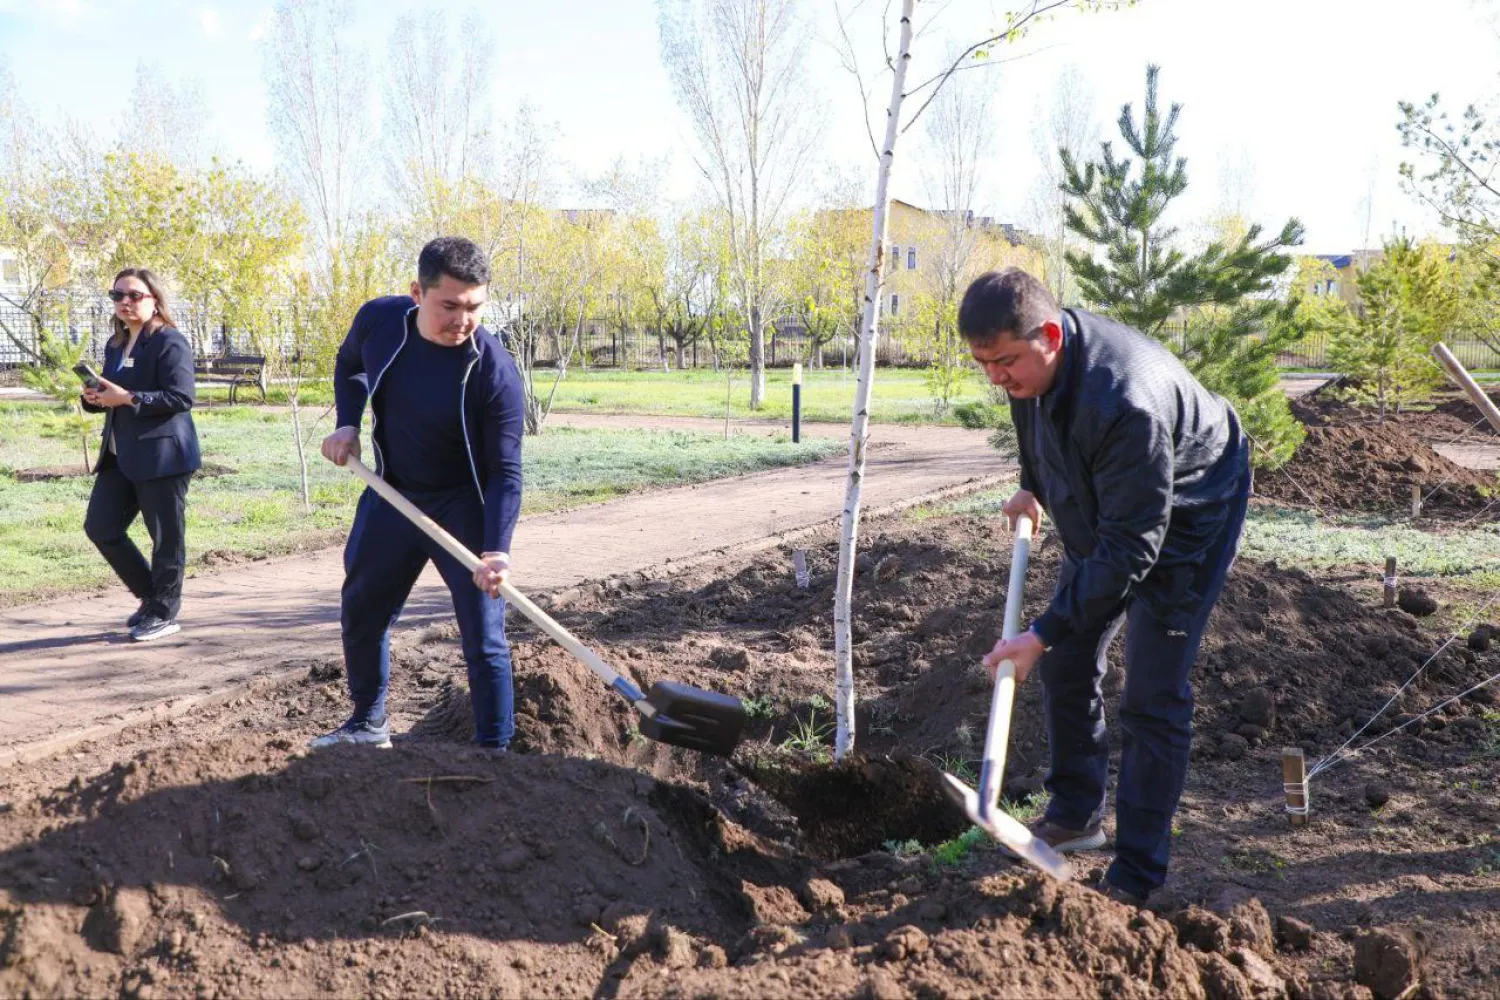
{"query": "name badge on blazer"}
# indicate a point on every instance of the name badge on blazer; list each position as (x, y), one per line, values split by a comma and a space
(127, 362)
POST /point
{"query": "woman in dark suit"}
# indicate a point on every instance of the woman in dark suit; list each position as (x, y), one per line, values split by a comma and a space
(149, 451)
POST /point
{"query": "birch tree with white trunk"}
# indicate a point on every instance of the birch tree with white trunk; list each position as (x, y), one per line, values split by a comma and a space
(737, 68)
(922, 94)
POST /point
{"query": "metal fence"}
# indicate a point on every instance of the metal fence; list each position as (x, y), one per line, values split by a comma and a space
(600, 343)
(604, 344)
(1312, 350)
(88, 322)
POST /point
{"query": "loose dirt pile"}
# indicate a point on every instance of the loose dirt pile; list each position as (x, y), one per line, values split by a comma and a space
(1350, 462)
(232, 869)
(222, 861)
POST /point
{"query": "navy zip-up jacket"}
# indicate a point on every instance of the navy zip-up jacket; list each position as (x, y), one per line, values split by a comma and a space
(492, 406)
(1137, 464)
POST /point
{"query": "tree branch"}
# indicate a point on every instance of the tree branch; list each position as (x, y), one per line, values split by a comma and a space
(1038, 8)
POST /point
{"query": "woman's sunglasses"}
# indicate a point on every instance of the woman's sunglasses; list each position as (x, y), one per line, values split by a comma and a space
(115, 295)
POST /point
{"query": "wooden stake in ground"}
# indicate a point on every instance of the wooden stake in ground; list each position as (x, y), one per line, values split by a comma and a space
(1416, 501)
(1390, 581)
(1294, 782)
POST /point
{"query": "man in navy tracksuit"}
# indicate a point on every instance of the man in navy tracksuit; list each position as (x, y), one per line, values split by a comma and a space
(1146, 476)
(447, 416)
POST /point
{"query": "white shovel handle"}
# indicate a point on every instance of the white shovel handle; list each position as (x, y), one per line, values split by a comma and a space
(518, 600)
(997, 733)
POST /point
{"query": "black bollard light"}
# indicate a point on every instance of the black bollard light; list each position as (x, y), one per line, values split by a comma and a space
(796, 403)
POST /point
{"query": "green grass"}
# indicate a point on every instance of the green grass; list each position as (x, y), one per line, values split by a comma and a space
(956, 765)
(1026, 810)
(1299, 538)
(952, 853)
(257, 509)
(810, 739)
(1254, 861)
(759, 707)
(900, 395)
(1469, 556)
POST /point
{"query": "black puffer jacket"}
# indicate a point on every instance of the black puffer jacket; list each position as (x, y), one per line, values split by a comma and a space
(1135, 463)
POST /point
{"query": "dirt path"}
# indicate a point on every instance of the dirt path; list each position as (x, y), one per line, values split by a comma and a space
(67, 673)
(1484, 457)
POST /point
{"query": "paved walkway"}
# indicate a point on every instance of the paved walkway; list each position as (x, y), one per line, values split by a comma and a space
(67, 672)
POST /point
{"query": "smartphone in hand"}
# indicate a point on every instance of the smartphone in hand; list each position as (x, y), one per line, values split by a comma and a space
(87, 375)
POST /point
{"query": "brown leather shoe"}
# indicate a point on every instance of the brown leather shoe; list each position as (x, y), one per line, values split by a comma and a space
(1109, 890)
(1063, 840)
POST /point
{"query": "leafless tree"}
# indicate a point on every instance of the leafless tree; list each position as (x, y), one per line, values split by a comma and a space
(166, 119)
(737, 68)
(437, 122)
(1066, 121)
(959, 132)
(318, 87)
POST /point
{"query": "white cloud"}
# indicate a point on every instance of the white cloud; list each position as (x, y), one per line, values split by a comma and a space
(262, 25)
(63, 13)
(212, 26)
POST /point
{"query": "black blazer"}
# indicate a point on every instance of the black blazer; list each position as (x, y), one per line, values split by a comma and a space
(156, 436)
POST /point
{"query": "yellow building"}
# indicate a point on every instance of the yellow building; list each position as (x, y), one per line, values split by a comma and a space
(937, 253)
(1338, 274)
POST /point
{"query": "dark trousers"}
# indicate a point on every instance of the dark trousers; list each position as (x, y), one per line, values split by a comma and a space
(382, 560)
(1156, 718)
(162, 505)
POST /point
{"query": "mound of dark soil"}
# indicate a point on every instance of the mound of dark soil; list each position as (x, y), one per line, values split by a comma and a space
(1291, 660)
(1287, 658)
(173, 862)
(229, 869)
(227, 865)
(1350, 462)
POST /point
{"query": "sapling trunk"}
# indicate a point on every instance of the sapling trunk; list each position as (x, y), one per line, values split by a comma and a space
(859, 430)
(301, 447)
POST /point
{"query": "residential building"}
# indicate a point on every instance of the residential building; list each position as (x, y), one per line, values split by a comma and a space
(928, 249)
(1341, 274)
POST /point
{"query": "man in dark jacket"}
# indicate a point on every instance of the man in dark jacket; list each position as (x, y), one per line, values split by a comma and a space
(1146, 476)
(447, 415)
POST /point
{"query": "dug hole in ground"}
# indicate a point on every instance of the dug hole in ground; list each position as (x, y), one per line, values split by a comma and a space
(212, 857)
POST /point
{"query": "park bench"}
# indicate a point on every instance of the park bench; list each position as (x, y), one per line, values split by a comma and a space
(235, 370)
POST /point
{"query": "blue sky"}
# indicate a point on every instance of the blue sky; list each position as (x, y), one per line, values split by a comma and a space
(1299, 98)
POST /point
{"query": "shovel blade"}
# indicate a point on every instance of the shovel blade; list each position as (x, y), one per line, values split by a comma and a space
(690, 717)
(1008, 831)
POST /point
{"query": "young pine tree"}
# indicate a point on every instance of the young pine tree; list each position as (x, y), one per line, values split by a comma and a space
(1140, 275)
(1407, 301)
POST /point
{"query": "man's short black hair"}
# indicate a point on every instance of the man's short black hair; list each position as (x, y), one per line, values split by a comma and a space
(1005, 302)
(454, 256)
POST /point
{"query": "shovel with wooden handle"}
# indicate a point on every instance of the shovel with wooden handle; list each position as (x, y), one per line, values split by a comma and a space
(983, 806)
(672, 713)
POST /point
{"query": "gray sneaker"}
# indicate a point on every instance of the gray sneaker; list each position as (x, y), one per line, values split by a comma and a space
(362, 733)
(154, 626)
(139, 615)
